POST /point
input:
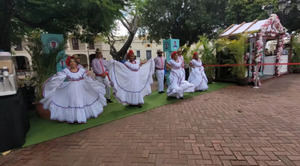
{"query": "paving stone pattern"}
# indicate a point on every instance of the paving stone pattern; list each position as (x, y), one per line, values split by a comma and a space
(233, 126)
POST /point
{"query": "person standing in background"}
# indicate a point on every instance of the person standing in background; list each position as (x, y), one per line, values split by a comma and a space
(159, 70)
(99, 66)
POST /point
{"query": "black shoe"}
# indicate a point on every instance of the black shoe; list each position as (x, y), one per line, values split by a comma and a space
(161, 92)
(181, 98)
(109, 101)
(140, 105)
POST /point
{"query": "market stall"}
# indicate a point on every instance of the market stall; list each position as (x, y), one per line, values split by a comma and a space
(259, 33)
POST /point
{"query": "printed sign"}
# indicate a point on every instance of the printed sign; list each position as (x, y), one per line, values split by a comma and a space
(51, 41)
(171, 45)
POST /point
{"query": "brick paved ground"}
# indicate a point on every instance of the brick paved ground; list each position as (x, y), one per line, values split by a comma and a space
(233, 126)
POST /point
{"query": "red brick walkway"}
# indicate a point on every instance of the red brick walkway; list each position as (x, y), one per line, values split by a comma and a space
(233, 126)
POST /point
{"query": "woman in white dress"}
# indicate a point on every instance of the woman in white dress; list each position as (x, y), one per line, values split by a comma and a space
(178, 84)
(181, 60)
(197, 75)
(72, 95)
(131, 80)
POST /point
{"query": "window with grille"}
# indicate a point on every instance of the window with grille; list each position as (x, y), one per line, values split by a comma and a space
(148, 54)
(75, 44)
(91, 45)
(138, 53)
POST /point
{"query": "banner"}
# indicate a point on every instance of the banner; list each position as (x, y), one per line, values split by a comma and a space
(51, 41)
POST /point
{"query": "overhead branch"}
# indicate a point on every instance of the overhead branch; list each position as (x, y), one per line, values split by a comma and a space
(124, 23)
(125, 19)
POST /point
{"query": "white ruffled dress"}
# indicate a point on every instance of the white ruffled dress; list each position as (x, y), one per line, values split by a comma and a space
(178, 84)
(131, 82)
(181, 60)
(197, 76)
(73, 97)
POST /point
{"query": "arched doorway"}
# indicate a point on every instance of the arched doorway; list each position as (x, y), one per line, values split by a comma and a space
(22, 63)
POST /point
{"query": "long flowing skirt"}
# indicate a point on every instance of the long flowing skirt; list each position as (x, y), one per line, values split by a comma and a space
(178, 85)
(129, 86)
(76, 101)
(199, 79)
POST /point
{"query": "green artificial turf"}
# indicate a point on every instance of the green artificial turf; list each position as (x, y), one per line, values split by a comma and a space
(43, 130)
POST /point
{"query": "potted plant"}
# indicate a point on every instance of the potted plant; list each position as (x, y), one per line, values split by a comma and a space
(208, 57)
(44, 66)
(296, 56)
(237, 48)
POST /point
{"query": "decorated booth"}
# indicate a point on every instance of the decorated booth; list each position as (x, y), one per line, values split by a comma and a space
(262, 36)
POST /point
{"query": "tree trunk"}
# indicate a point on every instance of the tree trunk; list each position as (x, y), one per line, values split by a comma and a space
(132, 28)
(5, 26)
(122, 52)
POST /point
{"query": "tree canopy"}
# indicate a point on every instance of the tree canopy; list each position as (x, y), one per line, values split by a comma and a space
(238, 11)
(187, 19)
(130, 20)
(55, 16)
(183, 19)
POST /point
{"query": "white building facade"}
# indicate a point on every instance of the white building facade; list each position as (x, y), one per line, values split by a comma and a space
(142, 48)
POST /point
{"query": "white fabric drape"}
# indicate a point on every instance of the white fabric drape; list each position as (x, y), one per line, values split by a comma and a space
(130, 81)
(178, 84)
(73, 97)
(197, 76)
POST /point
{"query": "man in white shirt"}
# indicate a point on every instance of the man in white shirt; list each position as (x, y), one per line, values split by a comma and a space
(99, 66)
(160, 72)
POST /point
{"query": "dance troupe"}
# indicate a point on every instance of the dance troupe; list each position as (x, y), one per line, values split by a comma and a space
(74, 94)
